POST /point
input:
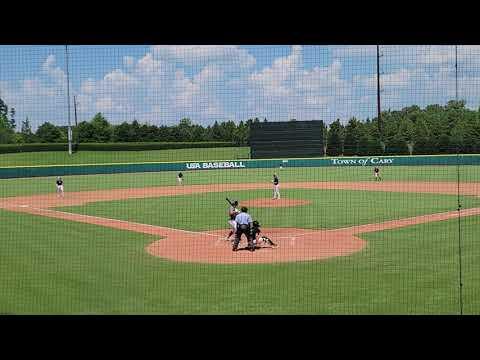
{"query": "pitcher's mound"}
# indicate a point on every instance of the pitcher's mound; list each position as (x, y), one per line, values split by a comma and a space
(267, 202)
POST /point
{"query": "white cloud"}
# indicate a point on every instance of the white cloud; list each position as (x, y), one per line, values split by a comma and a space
(41, 98)
(54, 72)
(348, 51)
(228, 55)
(432, 55)
(128, 60)
(208, 83)
(401, 78)
(286, 90)
(156, 90)
(88, 86)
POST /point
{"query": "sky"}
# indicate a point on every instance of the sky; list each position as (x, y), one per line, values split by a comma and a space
(162, 84)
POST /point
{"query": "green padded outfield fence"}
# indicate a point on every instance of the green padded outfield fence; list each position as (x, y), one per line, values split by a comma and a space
(89, 169)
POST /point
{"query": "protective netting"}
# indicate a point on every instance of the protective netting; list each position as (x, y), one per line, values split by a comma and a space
(371, 208)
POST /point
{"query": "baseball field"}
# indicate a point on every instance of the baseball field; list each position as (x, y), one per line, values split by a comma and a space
(141, 244)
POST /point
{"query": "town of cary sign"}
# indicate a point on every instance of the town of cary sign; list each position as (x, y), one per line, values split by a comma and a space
(363, 161)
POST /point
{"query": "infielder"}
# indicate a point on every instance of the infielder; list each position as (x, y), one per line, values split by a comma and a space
(60, 190)
(244, 226)
(276, 187)
(232, 214)
(179, 178)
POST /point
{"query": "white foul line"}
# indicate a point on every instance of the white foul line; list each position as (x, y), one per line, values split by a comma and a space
(120, 221)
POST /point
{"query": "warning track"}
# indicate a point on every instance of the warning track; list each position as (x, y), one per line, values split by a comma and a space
(210, 247)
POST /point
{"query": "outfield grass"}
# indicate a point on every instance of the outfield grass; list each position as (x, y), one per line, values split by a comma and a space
(29, 186)
(99, 270)
(329, 208)
(99, 157)
(54, 266)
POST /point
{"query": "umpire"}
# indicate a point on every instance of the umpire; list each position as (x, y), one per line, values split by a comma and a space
(244, 226)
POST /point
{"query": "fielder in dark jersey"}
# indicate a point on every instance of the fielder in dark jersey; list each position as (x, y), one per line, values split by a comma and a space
(276, 187)
(376, 174)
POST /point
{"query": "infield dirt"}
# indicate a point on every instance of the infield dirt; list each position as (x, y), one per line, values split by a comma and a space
(211, 247)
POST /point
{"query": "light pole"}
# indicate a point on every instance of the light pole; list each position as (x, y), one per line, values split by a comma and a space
(69, 134)
(456, 74)
(379, 110)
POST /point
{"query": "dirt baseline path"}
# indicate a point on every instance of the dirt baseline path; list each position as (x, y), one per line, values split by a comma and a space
(211, 247)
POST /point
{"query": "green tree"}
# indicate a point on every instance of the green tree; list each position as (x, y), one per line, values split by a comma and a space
(198, 133)
(134, 133)
(103, 131)
(7, 133)
(216, 131)
(335, 139)
(13, 123)
(422, 141)
(85, 132)
(444, 144)
(122, 132)
(185, 130)
(407, 132)
(241, 134)
(163, 133)
(26, 131)
(397, 145)
(227, 130)
(369, 142)
(352, 137)
(3, 109)
(49, 133)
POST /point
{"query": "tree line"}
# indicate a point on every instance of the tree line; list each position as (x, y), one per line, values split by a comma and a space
(99, 130)
(435, 129)
(412, 130)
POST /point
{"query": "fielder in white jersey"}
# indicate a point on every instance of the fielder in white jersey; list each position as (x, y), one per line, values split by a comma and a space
(60, 190)
(179, 178)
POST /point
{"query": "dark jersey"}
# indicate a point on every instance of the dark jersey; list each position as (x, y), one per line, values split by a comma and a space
(275, 180)
(376, 170)
(255, 230)
(59, 182)
(180, 175)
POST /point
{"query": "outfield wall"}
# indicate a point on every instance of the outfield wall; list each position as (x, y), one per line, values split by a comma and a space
(89, 169)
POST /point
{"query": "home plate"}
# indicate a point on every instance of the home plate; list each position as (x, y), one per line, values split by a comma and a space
(23, 206)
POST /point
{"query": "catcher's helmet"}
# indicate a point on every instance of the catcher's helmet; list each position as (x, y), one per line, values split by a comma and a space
(256, 223)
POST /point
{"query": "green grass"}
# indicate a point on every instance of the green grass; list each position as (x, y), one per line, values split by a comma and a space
(97, 157)
(29, 186)
(329, 208)
(57, 267)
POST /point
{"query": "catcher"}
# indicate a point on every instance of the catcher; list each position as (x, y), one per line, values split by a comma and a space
(255, 233)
